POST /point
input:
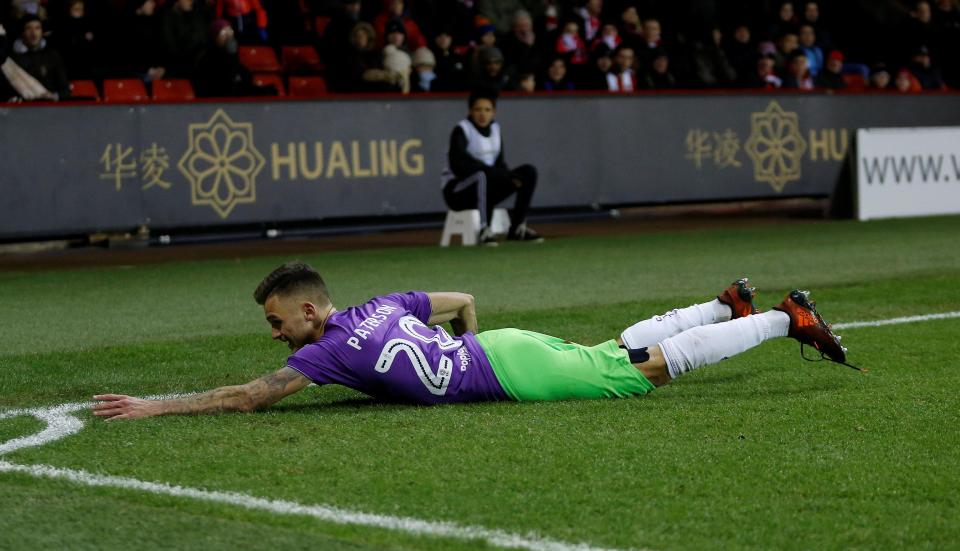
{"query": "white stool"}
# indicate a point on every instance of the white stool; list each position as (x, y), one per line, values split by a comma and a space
(466, 224)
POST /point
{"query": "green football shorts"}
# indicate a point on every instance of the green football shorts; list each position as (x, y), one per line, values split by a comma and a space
(533, 366)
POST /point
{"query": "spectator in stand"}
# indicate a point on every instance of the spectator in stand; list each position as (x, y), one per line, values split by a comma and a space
(917, 30)
(590, 21)
(75, 40)
(922, 68)
(526, 80)
(784, 22)
(808, 45)
(184, 36)
(336, 48)
(880, 78)
(489, 70)
(485, 31)
(219, 71)
(395, 9)
(906, 83)
(479, 178)
(424, 76)
(765, 74)
(711, 66)
(248, 18)
(451, 67)
(557, 80)
(652, 41)
(363, 65)
(609, 36)
(742, 53)
(7, 93)
(596, 76)
(396, 34)
(632, 27)
(570, 45)
(500, 13)
(520, 47)
(798, 75)
(396, 61)
(831, 77)
(31, 53)
(622, 77)
(139, 48)
(22, 8)
(786, 46)
(658, 76)
(812, 16)
(946, 20)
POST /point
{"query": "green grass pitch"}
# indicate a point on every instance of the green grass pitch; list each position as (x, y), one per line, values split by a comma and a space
(762, 451)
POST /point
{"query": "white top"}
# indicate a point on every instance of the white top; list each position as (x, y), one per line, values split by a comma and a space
(482, 148)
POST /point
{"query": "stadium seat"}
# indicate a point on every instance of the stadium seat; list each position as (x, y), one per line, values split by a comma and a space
(84, 90)
(268, 79)
(466, 224)
(173, 89)
(297, 59)
(124, 90)
(259, 59)
(855, 82)
(320, 24)
(307, 87)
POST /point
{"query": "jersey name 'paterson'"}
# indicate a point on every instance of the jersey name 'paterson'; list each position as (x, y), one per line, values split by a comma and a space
(385, 349)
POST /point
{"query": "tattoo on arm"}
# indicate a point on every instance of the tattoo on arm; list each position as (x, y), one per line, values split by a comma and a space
(256, 394)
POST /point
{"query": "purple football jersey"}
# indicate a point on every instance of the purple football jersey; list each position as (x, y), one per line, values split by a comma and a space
(385, 349)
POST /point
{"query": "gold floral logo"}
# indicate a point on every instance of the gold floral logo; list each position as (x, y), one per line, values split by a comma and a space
(221, 163)
(776, 146)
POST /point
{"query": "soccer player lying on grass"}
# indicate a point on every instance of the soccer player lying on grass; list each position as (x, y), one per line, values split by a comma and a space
(392, 348)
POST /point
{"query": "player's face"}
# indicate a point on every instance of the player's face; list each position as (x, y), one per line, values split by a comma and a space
(291, 320)
(482, 112)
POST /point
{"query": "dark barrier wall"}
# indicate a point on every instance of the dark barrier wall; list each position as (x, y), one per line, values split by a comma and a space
(84, 168)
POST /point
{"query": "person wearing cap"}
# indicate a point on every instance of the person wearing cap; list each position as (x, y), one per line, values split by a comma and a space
(922, 68)
(424, 77)
(831, 77)
(880, 78)
(478, 176)
(488, 69)
(396, 10)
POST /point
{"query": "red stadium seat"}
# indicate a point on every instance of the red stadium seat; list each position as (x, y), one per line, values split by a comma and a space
(84, 90)
(300, 59)
(124, 90)
(855, 82)
(268, 79)
(173, 89)
(259, 59)
(320, 24)
(307, 87)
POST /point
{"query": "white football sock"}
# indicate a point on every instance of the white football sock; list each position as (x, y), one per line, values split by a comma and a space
(709, 344)
(656, 329)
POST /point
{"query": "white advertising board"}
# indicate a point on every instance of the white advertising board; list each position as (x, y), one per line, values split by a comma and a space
(907, 172)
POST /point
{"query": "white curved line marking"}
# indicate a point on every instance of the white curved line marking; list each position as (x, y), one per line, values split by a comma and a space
(61, 423)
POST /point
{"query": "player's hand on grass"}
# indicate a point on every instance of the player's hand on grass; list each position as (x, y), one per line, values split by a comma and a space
(119, 406)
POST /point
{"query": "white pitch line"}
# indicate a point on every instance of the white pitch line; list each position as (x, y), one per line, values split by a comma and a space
(60, 424)
(335, 515)
(896, 321)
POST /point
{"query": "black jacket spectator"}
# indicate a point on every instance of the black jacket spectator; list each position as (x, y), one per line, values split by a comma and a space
(77, 41)
(219, 71)
(33, 55)
(184, 32)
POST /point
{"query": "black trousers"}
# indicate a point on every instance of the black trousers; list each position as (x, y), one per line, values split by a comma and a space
(483, 191)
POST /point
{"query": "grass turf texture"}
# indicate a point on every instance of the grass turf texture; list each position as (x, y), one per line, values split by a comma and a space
(763, 451)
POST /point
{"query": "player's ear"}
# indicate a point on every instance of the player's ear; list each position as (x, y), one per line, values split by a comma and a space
(309, 311)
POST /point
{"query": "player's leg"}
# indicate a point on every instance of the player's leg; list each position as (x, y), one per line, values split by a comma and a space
(795, 317)
(734, 302)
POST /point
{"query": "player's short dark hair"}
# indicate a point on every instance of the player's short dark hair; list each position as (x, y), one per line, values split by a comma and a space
(292, 277)
(483, 92)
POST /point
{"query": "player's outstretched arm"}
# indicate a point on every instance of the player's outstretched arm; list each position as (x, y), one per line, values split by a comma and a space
(457, 308)
(256, 394)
